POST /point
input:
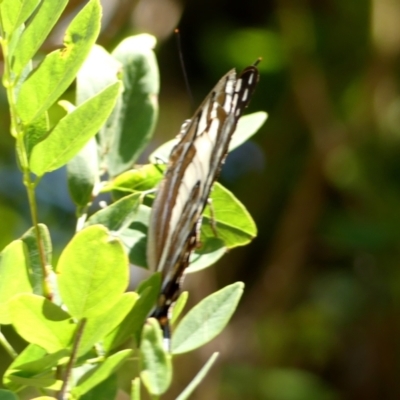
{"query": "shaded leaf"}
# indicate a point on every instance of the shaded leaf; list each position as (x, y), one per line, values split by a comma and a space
(41, 322)
(99, 326)
(83, 174)
(32, 362)
(100, 373)
(7, 395)
(105, 390)
(132, 325)
(132, 123)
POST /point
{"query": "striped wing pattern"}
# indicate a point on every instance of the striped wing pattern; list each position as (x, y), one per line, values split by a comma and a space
(193, 166)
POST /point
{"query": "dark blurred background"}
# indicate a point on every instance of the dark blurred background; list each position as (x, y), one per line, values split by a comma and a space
(320, 316)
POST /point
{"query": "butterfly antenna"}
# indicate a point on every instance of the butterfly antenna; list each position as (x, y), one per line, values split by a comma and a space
(259, 59)
(183, 67)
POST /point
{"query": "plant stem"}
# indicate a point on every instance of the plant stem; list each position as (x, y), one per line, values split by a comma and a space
(7, 346)
(18, 131)
(62, 395)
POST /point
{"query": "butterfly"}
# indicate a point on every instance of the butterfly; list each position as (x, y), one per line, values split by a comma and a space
(194, 165)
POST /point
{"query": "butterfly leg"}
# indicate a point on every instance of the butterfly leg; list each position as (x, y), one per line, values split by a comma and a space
(213, 223)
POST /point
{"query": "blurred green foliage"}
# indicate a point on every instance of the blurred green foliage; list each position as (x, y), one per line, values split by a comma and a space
(321, 315)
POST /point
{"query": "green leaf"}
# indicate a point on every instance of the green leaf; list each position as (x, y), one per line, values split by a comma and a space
(35, 266)
(105, 390)
(98, 71)
(41, 322)
(118, 215)
(198, 378)
(100, 373)
(29, 355)
(16, 12)
(211, 250)
(7, 395)
(163, 152)
(44, 398)
(92, 272)
(83, 174)
(156, 367)
(178, 307)
(153, 281)
(59, 68)
(46, 380)
(207, 319)
(12, 45)
(134, 237)
(99, 326)
(247, 126)
(14, 276)
(140, 179)
(32, 362)
(234, 224)
(133, 322)
(45, 17)
(132, 123)
(72, 132)
(135, 390)
(36, 131)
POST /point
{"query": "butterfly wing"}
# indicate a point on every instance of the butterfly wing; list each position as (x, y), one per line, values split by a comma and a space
(194, 165)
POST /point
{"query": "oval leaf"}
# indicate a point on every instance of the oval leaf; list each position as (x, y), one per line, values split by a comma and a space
(119, 214)
(247, 126)
(7, 395)
(207, 319)
(92, 272)
(233, 223)
(41, 322)
(99, 326)
(132, 123)
(83, 174)
(72, 132)
(14, 276)
(100, 373)
(155, 362)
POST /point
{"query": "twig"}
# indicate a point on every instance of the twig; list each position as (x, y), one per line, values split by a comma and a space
(62, 395)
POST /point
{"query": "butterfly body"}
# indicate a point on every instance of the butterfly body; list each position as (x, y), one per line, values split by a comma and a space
(193, 167)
